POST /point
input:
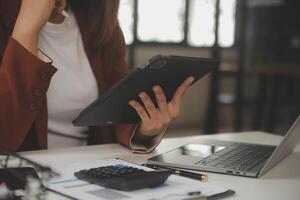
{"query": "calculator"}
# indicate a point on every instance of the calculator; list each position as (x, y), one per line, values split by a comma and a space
(123, 177)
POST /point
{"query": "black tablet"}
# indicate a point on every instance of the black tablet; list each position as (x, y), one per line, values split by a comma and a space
(167, 71)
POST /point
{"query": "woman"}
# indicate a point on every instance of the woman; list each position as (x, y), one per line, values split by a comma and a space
(54, 65)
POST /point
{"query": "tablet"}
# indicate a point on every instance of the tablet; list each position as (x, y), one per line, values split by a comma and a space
(167, 71)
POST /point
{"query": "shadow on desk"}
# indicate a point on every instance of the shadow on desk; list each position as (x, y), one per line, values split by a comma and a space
(286, 169)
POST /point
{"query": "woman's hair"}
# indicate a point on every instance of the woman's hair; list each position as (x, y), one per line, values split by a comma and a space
(101, 18)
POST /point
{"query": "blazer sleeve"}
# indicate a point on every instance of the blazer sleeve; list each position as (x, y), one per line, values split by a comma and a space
(24, 80)
(124, 133)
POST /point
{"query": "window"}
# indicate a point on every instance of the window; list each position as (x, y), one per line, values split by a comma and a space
(163, 23)
(227, 23)
(126, 19)
(202, 22)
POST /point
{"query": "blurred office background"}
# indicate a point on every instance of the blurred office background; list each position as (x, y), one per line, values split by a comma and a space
(256, 86)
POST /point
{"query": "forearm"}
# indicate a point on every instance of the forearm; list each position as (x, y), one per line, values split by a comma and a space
(27, 39)
(31, 18)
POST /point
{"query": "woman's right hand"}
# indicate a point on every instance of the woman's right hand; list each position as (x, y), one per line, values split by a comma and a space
(32, 17)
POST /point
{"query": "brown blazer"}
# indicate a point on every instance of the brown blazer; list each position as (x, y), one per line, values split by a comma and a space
(24, 80)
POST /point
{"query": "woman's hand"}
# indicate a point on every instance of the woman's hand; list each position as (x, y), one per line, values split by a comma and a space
(32, 17)
(155, 119)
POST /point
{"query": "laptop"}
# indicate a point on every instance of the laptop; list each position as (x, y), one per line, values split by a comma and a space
(242, 159)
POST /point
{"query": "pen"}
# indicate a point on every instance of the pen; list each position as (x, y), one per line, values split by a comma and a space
(180, 172)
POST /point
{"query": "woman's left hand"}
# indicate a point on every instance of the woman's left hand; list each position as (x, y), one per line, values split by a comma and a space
(155, 119)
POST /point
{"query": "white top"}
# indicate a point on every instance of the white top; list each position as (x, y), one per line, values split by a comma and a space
(73, 87)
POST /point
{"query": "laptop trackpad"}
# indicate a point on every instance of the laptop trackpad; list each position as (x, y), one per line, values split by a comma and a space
(188, 154)
(194, 152)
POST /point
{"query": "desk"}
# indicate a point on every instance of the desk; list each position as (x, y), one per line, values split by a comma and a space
(282, 182)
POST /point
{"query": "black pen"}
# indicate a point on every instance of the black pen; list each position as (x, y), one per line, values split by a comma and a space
(180, 172)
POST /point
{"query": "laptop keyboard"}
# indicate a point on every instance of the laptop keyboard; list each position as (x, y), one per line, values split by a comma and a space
(239, 157)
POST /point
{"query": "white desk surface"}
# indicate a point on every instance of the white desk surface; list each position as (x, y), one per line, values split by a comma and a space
(282, 182)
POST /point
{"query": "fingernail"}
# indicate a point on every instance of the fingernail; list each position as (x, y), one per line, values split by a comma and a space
(155, 88)
(142, 94)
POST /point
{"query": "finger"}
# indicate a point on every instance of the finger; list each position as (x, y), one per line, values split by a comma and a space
(181, 90)
(140, 110)
(161, 100)
(150, 107)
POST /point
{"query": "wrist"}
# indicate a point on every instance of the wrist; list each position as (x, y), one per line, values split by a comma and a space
(142, 137)
(28, 39)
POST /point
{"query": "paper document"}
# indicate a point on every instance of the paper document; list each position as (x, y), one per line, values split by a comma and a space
(176, 187)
